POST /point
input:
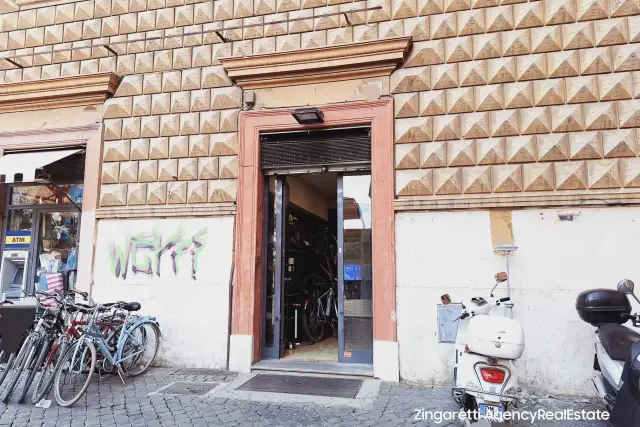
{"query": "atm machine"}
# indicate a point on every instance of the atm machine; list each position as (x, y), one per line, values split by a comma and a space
(13, 273)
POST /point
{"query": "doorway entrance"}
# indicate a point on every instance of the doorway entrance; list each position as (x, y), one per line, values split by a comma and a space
(318, 287)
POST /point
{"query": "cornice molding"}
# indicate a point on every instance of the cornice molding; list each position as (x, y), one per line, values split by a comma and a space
(342, 62)
(151, 211)
(61, 92)
(580, 198)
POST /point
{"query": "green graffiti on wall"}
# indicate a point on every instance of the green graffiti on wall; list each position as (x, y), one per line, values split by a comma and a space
(145, 251)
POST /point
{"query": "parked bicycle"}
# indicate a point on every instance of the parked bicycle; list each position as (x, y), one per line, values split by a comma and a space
(72, 340)
(320, 311)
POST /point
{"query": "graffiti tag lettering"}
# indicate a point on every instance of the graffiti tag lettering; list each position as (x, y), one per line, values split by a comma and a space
(145, 251)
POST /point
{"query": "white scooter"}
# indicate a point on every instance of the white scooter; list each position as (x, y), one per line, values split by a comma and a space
(617, 350)
(487, 343)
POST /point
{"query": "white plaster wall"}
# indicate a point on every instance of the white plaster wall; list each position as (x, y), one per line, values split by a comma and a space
(193, 312)
(452, 252)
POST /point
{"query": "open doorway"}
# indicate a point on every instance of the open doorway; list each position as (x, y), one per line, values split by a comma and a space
(318, 296)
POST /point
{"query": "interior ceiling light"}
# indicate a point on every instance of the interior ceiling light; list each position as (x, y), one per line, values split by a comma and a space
(306, 116)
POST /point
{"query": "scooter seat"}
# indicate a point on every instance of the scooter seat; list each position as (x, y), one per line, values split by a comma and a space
(617, 340)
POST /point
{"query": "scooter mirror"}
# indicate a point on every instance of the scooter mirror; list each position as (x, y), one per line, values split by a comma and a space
(501, 277)
(626, 287)
(446, 299)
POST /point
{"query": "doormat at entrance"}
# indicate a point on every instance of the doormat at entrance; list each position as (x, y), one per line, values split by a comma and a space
(345, 388)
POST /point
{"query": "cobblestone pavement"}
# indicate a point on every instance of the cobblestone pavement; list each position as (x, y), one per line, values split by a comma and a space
(109, 403)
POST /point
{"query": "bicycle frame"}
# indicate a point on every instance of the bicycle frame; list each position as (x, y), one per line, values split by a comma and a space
(94, 335)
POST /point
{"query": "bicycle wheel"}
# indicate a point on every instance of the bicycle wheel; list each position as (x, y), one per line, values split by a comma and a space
(139, 349)
(74, 372)
(45, 379)
(43, 350)
(7, 366)
(312, 324)
(27, 349)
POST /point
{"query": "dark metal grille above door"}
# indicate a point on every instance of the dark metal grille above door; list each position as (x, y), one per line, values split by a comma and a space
(331, 147)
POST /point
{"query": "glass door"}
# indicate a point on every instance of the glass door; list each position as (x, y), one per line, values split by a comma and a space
(58, 235)
(273, 346)
(355, 290)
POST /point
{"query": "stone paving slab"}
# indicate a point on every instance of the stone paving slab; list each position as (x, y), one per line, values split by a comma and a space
(108, 403)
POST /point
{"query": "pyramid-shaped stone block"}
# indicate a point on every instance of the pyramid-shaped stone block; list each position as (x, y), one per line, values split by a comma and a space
(446, 127)
(224, 144)
(443, 26)
(475, 125)
(601, 115)
(137, 194)
(110, 173)
(516, 42)
(411, 80)
(563, 64)
(504, 123)
(604, 174)
(187, 169)
(528, 15)
(148, 171)
(487, 46)
(458, 49)
(535, 120)
(549, 92)
(168, 170)
(620, 143)
(460, 153)
(581, 89)
(407, 105)
(507, 178)
(414, 182)
(426, 53)
(489, 98)
(615, 86)
(433, 154)
(546, 39)
(472, 73)
(444, 76)
(228, 167)
(139, 149)
(222, 190)
(567, 118)
(589, 10)
(177, 193)
(538, 177)
(611, 32)
(519, 95)
(413, 130)
(432, 103)
(210, 122)
(629, 113)
(116, 151)
(596, 61)
(430, 7)
(170, 125)
(471, 22)
(208, 168)
(521, 149)
(476, 180)
(578, 36)
(585, 145)
(624, 8)
(571, 175)
(490, 151)
(459, 100)
(559, 11)
(631, 172)
(128, 172)
(553, 147)
(499, 19)
(447, 181)
(407, 156)
(113, 195)
(532, 67)
(157, 193)
(501, 70)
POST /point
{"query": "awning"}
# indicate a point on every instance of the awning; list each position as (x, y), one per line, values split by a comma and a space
(27, 163)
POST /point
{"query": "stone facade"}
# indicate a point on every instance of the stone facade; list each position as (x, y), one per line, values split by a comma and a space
(495, 97)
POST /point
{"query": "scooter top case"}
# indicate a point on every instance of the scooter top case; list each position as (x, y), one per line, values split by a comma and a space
(15, 320)
(626, 410)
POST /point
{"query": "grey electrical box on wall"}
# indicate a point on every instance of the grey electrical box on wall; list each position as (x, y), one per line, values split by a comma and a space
(447, 323)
